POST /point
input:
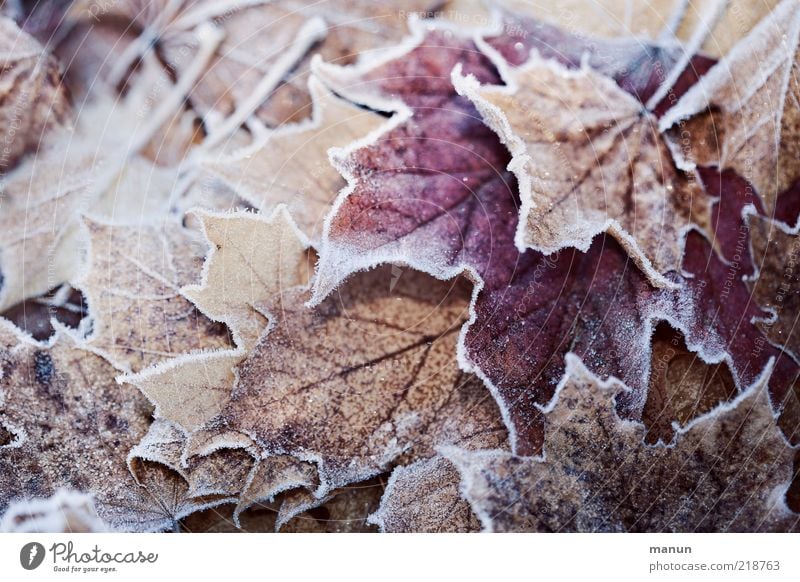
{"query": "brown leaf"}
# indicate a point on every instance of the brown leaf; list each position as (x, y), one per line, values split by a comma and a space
(728, 471)
(425, 497)
(132, 285)
(589, 160)
(290, 165)
(72, 426)
(32, 99)
(392, 391)
(745, 113)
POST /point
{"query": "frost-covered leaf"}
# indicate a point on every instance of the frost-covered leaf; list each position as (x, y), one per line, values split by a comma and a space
(290, 165)
(132, 284)
(745, 112)
(433, 193)
(72, 426)
(251, 259)
(32, 98)
(589, 160)
(727, 472)
(393, 391)
(425, 497)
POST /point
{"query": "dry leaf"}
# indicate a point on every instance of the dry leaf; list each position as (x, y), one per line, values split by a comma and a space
(727, 472)
(251, 259)
(290, 165)
(589, 160)
(744, 114)
(71, 425)
(132, 284)
(424, 497)
(301, 393)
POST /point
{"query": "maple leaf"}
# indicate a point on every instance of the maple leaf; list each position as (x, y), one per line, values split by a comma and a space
(442, 188)
(251, 259)
(290, 165)
(743, 114)
(132, 284)
(617, 176)
(297, 383)
(431, 193)
(71, 426)
(33, 98)
(587, 481)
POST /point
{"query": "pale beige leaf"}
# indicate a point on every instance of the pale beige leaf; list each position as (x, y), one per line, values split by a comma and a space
(290, 165)
(251, 259)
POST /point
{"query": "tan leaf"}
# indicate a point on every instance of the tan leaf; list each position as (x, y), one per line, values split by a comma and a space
(728, 471)
(776, 288)
(189, 390)
(72, 426)
(32, 98)
(589, 160)
(132, 285)
(290, 165)
(744, 114)
(391, 392)
(251, 259)
(425, 497)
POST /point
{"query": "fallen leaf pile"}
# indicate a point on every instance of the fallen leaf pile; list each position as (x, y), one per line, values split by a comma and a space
(429, 266)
